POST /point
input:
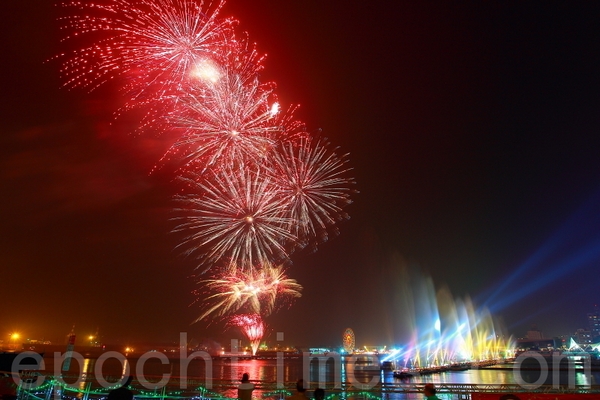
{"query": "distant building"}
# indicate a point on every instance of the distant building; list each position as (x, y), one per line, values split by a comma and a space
(583, 336)
(535, 340)
(534, 333)
(594, 323)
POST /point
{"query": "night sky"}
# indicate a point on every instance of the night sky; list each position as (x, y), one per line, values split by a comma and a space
(473, 131)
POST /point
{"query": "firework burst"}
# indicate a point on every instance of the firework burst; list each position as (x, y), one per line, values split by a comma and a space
(253, 327)
(313, 182)
(234, 215)
(155, 46)
(259, 290)
(256, 185)
(228, 121)
(231, 115)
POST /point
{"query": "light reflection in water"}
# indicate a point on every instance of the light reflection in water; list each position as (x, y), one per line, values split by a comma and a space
(86, 375)
(126, 369)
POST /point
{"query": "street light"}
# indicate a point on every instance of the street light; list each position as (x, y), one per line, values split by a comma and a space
(13, 337)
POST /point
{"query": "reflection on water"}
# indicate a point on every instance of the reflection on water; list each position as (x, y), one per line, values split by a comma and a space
(126, 369)
(86, 370)
(502, 376)
(330, 373)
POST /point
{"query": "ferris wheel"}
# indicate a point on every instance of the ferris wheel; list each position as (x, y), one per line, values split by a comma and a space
(348, 340)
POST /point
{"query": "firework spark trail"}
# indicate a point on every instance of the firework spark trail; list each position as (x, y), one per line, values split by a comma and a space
(260, 291)
(313, 182)
(253, 327)
(234, 216)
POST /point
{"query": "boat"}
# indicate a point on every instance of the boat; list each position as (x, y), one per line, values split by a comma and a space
(388, 366)
(460, 366)
(274, 354)
(366, 363)
(234, 355)
(7, 360)
(404, 374)
(430, 370)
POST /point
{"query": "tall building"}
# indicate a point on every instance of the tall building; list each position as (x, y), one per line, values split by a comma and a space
(534, 340)
(534, 333)
(583, 336)
(594, 322)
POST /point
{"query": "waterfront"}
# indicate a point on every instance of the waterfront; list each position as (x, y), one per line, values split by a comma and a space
(156, 377)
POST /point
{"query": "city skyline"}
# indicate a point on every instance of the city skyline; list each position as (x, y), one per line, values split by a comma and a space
(87, 337)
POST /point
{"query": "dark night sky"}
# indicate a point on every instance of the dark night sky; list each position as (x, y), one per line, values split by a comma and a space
(472, 129)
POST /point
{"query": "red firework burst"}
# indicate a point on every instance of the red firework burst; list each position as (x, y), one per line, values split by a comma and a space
(155, 46)
(232, 116)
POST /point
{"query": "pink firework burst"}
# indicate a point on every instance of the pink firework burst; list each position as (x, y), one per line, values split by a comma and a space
(253, 327)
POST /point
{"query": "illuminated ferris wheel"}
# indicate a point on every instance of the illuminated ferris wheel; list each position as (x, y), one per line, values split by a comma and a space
(348, 340)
